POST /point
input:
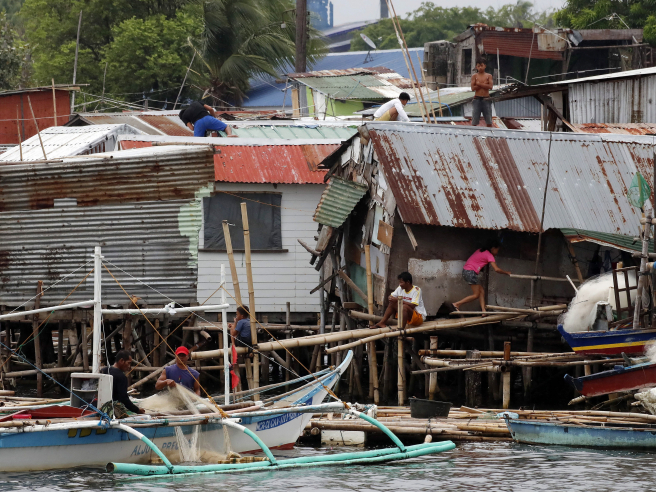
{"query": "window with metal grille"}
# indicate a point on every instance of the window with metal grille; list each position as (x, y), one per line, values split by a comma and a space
(263, 220)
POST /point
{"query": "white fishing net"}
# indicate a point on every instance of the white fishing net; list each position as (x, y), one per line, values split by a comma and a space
(196, 443)
(648, 400)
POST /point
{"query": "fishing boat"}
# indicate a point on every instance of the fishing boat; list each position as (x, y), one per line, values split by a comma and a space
(631, 341)
(597, 436)
(618, 379)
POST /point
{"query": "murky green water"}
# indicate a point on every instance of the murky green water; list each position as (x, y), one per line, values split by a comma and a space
(469, 467)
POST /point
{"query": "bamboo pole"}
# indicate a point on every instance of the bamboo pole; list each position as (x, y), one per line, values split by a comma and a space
(373, 362)
(20, 140)
(54, 102)
(400, 358)
(231, 258)
(423, 80)
(251, 298)
(405, 58)
(506, 377)
(432, 381)
(37, 129)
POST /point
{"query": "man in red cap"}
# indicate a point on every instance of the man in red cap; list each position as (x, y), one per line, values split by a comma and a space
(179, 373)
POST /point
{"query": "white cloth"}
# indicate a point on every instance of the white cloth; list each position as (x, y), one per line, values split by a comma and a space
(395, 103)
(413, 297)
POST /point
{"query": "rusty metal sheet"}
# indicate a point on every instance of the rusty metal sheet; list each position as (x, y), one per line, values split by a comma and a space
(517, 44)
(289, 164)
(158, 173)
(385, 233)
(168, 125)
(622, 128)
(494, 179)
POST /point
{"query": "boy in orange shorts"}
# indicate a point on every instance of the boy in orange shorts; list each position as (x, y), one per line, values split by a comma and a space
(414, 312)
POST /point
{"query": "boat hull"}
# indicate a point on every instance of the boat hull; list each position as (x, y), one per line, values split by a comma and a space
(618, 379)
(580, 436)
(48, 450)
(634, 342)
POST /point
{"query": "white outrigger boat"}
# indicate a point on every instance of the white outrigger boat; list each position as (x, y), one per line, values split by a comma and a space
(133, 444)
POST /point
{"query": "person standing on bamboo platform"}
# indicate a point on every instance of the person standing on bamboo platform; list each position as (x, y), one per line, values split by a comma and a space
(393, 110)
(472, 269)
(121, 403)
(240, 330)
(179, 373)
(414, 312)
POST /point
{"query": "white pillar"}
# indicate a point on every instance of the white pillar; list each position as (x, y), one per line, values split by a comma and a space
(97, 309)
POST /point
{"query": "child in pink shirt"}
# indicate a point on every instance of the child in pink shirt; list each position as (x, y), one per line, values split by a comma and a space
(472, 269)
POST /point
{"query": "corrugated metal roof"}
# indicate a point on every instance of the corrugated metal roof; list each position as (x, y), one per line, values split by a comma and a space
(356, 84)
(627, 74)
(281, 164)
(623, 128)
(522, 44)
(141, 206)
(148, 122)
(265, 92)
(61, 141)
(338, 200)
(159, 173)
(619, 241)
(494, 179)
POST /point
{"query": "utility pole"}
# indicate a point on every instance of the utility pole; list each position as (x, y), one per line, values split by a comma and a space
(301, 36)
(384, 11)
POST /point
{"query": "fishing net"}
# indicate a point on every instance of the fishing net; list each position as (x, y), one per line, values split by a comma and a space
(639, 191)
(210, 446)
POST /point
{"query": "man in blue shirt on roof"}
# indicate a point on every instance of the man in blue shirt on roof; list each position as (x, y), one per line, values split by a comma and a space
(202, 118)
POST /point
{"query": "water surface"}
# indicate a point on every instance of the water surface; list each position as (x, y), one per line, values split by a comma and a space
(470, 467)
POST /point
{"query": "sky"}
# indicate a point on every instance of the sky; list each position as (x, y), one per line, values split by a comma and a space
(358, 10)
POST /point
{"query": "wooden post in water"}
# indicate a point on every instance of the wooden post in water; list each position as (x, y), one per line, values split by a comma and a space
(473, 395)
(506, 377)
(231, 258)
(432, 382)
(37, 340)
(251, 299)
(527, 372)
(373, 362)
(400, 358)
(492, 377)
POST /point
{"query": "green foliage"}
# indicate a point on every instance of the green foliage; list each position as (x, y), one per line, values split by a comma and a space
(149, 54)
(598, 14)
(14, 56)
(432, 23)
(243, 39)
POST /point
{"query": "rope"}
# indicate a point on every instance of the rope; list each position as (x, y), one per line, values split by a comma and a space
(209, 397)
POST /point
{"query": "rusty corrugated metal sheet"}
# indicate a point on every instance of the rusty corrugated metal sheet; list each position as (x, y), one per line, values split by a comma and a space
(159, 173)
(168, 125)
(142, 206)
(289, 164)
(42, 104)
(622, 128)
(494, 179)
(517, 44)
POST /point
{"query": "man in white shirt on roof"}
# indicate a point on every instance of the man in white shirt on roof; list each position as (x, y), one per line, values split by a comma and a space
(393, 110)
(414, 312)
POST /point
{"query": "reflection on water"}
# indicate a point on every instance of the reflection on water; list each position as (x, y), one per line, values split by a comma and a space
(469, 467)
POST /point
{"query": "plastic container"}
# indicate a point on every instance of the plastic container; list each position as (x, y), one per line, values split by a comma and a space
(428, 409)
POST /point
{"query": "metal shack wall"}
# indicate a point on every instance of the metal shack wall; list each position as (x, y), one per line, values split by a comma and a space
(43, 111)
(145, 212)
(614, 101)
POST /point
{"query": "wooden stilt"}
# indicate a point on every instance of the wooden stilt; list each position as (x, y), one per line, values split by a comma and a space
(473, 395)
(85, 346)
(506, 377)
(400, 358)
(432, 383)
(127, 335)
(37, 340)
(373, 362)
(251, 298)
(156, 340)
(527, 372)
(61, 347)
(492, 377)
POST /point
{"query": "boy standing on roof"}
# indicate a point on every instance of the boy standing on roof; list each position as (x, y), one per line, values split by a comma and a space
(481, 83)
(414, 312)
(201, 118)
(393, 110)
(180, 373)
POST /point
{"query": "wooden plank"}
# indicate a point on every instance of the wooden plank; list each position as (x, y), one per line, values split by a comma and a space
(385, 232)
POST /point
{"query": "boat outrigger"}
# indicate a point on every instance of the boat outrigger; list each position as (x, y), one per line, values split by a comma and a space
(130, 445)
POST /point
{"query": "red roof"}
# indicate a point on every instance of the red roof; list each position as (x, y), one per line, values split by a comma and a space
(280, 164)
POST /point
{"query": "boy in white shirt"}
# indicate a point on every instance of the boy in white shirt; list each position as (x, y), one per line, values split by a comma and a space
(393, 110)
(414, 312)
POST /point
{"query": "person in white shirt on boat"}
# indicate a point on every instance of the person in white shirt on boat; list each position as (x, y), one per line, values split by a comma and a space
(393, 110)
(414, 312)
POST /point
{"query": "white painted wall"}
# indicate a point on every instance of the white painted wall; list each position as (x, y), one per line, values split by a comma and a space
(278, 277)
